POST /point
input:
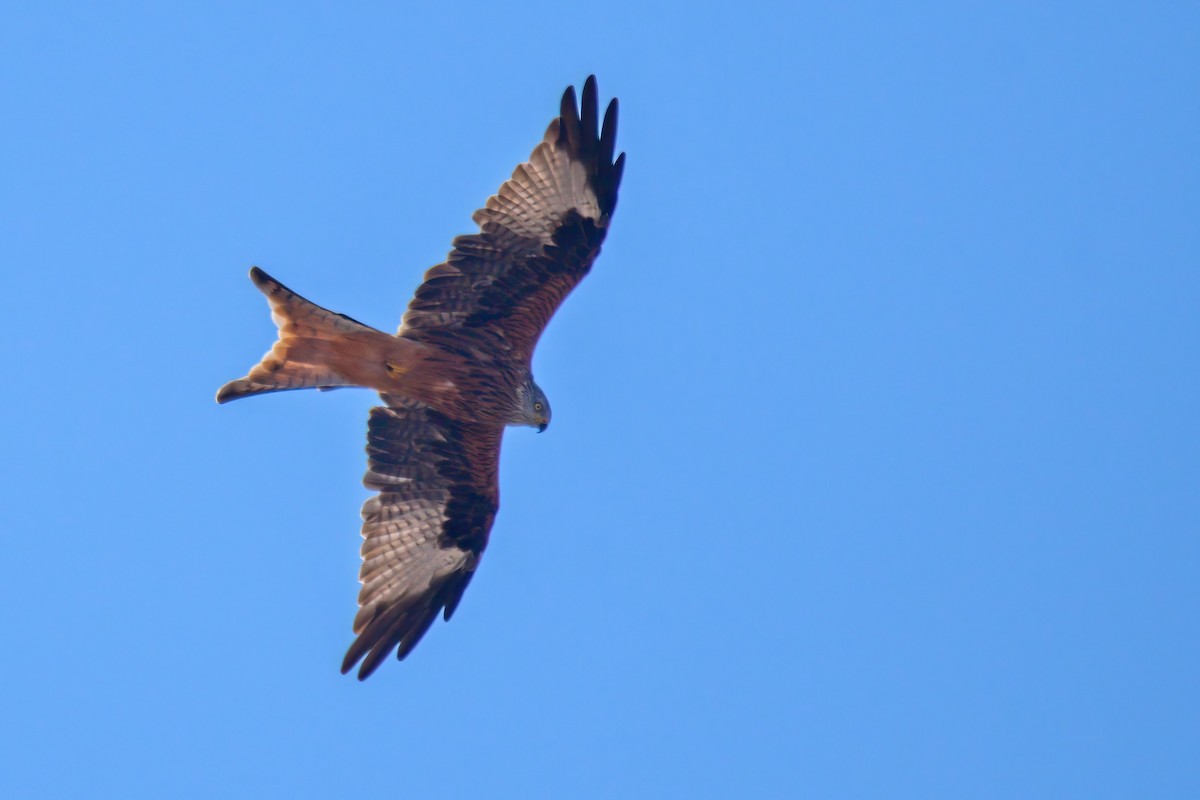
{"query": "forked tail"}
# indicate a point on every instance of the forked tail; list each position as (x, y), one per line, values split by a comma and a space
(313, 351)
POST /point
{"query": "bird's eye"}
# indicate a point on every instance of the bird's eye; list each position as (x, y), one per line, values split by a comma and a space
(538, 406)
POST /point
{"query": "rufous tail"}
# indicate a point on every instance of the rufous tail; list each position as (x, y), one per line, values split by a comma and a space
(313, 350)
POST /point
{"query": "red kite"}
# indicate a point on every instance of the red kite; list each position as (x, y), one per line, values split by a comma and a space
(454, 375)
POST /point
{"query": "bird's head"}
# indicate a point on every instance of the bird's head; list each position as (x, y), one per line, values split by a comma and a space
(535, 408)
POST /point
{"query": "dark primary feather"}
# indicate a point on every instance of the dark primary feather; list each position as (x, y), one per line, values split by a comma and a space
(424, 532)
(538, 238)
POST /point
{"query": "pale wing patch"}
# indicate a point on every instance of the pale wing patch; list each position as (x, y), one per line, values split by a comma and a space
(400, 549)
(540, 192)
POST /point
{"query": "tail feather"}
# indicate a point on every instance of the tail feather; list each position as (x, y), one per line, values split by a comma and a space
(307, 352)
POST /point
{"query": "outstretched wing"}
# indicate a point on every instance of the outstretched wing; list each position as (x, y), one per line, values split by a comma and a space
(538, 238)
(426, 529)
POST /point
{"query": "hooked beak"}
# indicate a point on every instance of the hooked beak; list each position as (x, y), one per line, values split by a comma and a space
(541, 428)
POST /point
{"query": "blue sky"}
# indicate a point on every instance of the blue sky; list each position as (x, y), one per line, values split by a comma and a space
(875, 456)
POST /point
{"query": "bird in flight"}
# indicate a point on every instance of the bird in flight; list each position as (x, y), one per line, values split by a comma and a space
(455, 374)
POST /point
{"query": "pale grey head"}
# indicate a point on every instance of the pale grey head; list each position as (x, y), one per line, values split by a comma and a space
(533, 409)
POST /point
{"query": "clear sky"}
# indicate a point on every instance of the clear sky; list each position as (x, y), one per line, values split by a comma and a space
(875, 464)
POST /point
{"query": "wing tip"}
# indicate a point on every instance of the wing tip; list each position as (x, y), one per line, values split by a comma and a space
(593, 141)
(363, 649)
(364, 671)
(401, 634)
